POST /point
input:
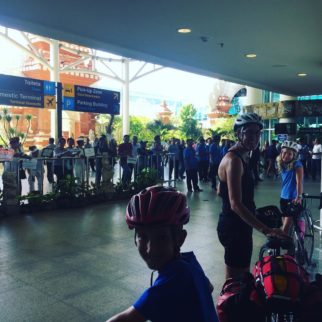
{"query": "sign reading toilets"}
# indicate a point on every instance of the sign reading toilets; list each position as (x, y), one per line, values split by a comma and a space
(27, 92)
(88, 99)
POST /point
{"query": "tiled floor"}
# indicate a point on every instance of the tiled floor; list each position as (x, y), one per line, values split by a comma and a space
(82, 265)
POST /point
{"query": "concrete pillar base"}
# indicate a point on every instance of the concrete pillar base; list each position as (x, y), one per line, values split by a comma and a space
(11, 210)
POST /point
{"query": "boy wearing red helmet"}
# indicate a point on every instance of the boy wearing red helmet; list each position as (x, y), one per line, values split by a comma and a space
(181, 292)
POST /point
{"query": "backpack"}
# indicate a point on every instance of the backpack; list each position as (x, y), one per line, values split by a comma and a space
(239, 301)
(281, 281)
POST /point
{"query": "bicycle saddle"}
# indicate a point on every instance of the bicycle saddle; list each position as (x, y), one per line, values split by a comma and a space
(277, 243)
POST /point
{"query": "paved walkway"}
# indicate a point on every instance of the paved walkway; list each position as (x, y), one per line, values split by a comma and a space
(82, 265)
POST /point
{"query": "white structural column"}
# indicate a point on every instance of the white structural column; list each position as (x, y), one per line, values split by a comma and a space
(287, 98)
(54, 77)
(254, 96)
(126, 97)
(288, 119)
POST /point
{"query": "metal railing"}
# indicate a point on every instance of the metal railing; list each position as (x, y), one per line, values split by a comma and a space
(46, 171)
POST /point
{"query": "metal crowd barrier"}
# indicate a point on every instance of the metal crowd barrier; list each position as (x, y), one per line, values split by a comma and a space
(80, 169)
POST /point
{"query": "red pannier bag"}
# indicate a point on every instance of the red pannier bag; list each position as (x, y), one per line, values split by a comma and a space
(282, 281)
(239, 301)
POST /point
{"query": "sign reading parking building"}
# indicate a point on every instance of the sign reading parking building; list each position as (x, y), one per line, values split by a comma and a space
(88, 99)
(27, 92)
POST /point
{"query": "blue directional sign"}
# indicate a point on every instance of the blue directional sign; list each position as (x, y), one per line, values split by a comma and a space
(282, 137)
(27, 92)
(88, 99)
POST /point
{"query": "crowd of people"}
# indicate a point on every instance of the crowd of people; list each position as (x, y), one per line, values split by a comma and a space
(195, 161)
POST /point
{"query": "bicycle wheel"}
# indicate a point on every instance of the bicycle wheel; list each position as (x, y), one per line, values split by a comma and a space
(299, 252)
(308, 242)
(304, 243)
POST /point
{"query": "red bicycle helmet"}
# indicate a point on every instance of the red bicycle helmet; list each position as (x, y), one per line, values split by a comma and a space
(157, 205)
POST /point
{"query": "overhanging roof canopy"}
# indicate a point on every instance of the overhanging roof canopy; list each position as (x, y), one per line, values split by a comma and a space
(286, 35)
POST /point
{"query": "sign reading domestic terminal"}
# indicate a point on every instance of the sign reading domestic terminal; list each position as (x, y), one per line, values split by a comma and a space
(88, 99)
(28, 92)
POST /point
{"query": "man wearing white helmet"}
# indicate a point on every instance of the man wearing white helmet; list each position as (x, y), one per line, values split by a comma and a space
(236, 188)
(291, 170)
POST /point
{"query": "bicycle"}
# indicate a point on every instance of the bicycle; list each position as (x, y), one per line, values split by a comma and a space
(307, 196)
(302, 230)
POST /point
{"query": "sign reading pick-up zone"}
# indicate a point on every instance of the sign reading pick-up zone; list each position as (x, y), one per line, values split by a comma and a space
(27, 92)
(88, 99)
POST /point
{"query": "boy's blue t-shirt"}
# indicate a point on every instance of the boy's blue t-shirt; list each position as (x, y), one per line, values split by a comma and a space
(181, 293)
(289, 181)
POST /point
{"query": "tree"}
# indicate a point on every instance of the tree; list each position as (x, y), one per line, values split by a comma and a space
(110, 124)
(225, 127)
(158, 128)
(12, 126)
(188, 124)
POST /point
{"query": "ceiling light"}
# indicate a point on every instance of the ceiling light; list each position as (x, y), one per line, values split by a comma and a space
(184, 30)
(301, 74)
(250, 55)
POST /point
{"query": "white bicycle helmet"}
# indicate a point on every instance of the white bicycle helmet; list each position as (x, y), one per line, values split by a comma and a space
(246, 119)
(290, 145)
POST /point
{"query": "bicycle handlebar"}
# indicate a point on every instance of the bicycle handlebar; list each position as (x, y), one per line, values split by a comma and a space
(307, 196)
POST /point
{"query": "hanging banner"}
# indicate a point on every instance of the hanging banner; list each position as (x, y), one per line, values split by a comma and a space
(88, 99)
(291, 108)
(27, 92)
(310, 130)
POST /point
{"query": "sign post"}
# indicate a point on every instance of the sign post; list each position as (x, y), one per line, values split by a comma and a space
(59, 111)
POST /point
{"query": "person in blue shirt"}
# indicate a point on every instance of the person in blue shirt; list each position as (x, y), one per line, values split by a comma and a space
(224, 147)
(191, 166)
(202, 154)
(181, 292)
(272, 154)
(174, 154)
(157, 156)
(291, 170)
(304, 155)
(215, 158)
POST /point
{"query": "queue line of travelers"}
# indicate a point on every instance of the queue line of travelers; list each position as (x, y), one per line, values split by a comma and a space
(199, 161)
(194, 161)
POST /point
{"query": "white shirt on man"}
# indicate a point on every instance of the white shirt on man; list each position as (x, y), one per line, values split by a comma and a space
(317, 148)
